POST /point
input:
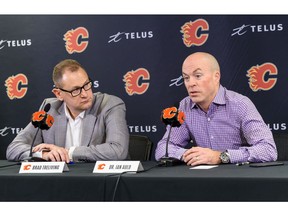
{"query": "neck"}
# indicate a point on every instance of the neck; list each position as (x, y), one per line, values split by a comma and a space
(72, 114)
(204, 108)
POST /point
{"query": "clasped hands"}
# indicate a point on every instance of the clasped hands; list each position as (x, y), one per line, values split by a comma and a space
(198, 155)
(51, 152)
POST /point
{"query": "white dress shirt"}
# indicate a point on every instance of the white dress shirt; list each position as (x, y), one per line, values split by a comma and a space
(74, 131)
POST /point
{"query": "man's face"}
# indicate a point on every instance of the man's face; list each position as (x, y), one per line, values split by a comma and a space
(200, 81)
(73, 81)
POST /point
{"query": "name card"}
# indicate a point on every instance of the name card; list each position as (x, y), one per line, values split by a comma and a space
(117, 166)
(43, 167)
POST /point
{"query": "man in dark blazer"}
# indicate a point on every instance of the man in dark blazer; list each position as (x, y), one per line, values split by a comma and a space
(87, 126)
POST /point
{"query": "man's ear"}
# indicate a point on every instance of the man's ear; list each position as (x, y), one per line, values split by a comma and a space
(57, 93)
(217, 75)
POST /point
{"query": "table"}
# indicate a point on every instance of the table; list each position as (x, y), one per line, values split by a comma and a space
(178, 183)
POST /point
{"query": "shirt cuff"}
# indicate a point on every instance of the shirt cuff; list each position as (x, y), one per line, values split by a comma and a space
(70, 153)
(37, 154)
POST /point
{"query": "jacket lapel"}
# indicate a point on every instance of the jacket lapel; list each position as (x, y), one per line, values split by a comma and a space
(60, 133)
(88, 126)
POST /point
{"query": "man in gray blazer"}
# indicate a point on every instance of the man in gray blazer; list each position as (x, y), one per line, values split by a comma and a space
(87, 126)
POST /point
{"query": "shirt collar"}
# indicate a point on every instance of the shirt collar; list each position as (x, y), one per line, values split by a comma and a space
(219, 98)
(81, 115)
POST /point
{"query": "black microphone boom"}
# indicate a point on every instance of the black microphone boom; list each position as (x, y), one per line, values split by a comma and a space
(166, 160)
(32, 145)
(40, 124)
(47, 107)
(175, 118)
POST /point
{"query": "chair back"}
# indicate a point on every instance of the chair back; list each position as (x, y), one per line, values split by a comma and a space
(281, 141)
(139, 147)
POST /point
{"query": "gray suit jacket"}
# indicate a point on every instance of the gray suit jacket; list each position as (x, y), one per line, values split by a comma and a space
(105, 133)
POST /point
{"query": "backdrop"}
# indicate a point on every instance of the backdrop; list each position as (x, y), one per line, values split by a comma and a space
(138, 58)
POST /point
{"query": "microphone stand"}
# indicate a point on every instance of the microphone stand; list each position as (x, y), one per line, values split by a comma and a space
(39, 126)
(168, 138)
(32, 145)
(166, 160)
(33, 159)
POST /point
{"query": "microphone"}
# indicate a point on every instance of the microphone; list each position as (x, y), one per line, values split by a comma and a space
(42, 121)
(175, 118)
(172, 116)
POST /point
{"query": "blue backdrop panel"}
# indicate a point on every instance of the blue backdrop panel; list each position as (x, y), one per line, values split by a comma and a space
(139, 59)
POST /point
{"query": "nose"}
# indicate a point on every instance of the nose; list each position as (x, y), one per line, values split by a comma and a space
(84, 93)
(191, 82)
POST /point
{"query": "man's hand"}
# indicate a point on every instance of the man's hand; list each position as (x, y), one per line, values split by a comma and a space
(52, 152)
(198, 155)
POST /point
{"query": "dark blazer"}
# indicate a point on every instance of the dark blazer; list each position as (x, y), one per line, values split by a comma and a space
(105, 133)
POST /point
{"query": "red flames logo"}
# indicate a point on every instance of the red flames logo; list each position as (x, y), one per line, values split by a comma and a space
(134, 81)
(15, 88)
(27, 167)
(74, 40)
(37, 117)
(170, 113)
(101, 166)
(257, 75)
(191, 32)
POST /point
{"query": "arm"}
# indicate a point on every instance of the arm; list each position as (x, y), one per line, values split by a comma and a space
(19, 148)
(179, 138)
(262, 146)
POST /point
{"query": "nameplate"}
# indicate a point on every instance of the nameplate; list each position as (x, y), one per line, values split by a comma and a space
(43, 167)
(117, 166)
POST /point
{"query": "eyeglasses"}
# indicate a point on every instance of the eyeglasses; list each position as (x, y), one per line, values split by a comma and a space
(78, 91)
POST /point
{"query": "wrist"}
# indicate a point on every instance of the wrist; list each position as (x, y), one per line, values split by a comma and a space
(224, 157)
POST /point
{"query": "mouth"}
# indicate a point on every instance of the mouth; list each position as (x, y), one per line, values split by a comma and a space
(193, 93)
(85, 101)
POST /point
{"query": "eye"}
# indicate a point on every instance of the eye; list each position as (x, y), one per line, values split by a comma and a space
(76, 91)
(186, 78)
(87, 86)
(198, 75)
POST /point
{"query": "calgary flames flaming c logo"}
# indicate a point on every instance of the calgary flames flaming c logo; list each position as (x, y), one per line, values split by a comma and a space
(15, 88)
(38, 119)
(27, 167)
(191, 30)
(172, 114)
(74, 40)
(134, 83)
(101, 166)
(257, 74)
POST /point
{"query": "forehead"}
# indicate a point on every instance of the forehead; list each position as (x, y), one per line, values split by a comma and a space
(74, 78)
(195, 65)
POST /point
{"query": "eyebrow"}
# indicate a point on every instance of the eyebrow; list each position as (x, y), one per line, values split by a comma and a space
(77, 87)
(184, 74)
(195, 71)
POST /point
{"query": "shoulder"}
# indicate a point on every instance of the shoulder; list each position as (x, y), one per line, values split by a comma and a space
(107, 98)
(237, 100)
(54, 102)
(104, 102)
(186, 103)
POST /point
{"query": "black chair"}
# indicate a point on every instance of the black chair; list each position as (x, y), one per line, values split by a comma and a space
(281, 141)
(139, 147)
